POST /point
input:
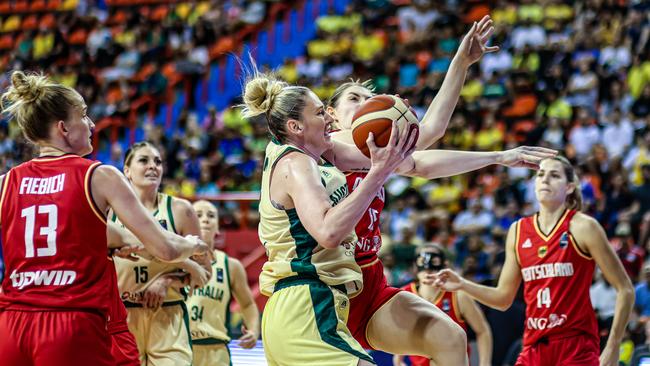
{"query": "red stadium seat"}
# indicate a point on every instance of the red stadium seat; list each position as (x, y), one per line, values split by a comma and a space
(20, 6)
(30, 22)
(7, 42)
(78, 37)
(48, 21)
(159, 13)
(5, 7)
(37, 6)
(53, 5)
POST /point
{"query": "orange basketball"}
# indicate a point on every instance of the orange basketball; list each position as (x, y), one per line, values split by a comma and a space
(376, 115)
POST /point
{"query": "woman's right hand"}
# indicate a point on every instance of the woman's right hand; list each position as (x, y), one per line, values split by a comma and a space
(401, 145)
(199, 276)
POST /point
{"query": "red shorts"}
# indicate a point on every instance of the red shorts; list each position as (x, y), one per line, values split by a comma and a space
(53, 338)
(125, 350)
(376, 293)
(419, 361)
(581, 350)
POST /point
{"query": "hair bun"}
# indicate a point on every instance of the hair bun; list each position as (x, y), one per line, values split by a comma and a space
(260, 94)
(26, 88)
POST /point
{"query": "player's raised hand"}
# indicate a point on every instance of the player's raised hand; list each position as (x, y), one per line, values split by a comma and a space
(525, 156)
(400, 145)
(474, 44)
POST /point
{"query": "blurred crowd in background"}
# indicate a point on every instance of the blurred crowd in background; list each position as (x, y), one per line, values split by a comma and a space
(570, 75)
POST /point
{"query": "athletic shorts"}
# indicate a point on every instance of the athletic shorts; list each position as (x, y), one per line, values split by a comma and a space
(303, 323)
(125, 349)
(580, 350)
(375, 294)
(216, 354)
(162, 335)
(54, 338)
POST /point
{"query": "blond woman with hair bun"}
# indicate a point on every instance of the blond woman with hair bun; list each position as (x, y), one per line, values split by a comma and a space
(56, 299)
(307, 223)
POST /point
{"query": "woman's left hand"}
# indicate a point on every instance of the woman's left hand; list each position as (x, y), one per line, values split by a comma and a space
(474, 44)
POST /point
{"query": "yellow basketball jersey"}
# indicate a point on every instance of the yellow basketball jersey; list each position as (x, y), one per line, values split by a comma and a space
(209, 306)
(290, 249)
(134, 277)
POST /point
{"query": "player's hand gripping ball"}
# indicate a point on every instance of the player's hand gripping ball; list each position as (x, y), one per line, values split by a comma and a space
(376, 115)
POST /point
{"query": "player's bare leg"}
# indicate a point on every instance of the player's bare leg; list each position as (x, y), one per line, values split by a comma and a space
(409, 325)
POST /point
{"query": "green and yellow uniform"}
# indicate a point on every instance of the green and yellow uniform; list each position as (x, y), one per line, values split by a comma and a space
(304, 321)
(162, 334)
(209, 309)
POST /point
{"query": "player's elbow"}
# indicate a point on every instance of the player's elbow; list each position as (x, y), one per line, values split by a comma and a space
(330, 240)
(504, 303)
(627, 291)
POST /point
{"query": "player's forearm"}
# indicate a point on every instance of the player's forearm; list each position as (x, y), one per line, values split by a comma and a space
(484, 343)
(493, 297)
(624, 303)
(341, 219)
(251, 316)
(434, 164)
(435, 120)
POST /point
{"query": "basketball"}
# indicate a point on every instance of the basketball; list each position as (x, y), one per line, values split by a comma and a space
(376, 115)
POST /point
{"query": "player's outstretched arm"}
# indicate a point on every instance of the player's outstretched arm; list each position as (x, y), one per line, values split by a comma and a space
(499, 297)
(474, 316)
(110, 189)
(591, 236)
(244, 297)
(433, 164)
(471, 49)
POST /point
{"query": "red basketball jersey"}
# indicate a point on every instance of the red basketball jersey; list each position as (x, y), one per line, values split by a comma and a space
(446, 301)
(557, 276)
(367, 228)
(53, 237)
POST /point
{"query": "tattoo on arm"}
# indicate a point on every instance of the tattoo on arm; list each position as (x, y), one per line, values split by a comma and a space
(277, 205)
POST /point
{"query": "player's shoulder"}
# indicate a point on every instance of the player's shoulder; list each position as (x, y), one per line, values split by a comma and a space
(180, 204)
(581, 222)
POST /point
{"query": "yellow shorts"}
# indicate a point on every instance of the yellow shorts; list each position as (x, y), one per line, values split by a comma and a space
(211, 354)
(303, 323)
(162, 335)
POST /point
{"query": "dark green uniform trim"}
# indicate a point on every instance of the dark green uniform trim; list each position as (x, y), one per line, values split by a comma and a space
(324, 310)
(186, 320)
(209, 341)
(227, 319)
(304, 280)
(129, 304)
(305, 245)
(171, 214)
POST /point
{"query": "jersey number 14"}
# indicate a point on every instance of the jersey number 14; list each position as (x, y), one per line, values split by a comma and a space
(544, 298)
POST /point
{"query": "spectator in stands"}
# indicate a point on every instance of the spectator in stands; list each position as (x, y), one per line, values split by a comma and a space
(585, 134)
(618, 134)
(474, 220)
(642, 302)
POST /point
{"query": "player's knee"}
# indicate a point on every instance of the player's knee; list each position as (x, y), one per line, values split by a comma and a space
(455, 338)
